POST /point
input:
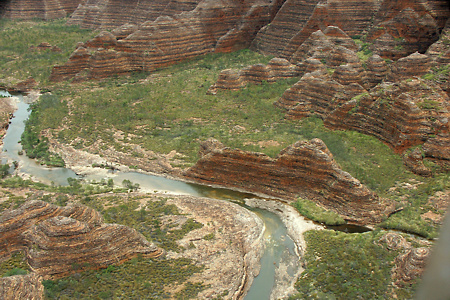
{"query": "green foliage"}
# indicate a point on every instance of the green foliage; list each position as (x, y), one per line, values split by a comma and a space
(47, 111)
(129, 185)
(16, 265)
(312, 211)
(16, 38)
(4, 170)
(345, 266)
(429, 104)
(15, 271)
(139, 278)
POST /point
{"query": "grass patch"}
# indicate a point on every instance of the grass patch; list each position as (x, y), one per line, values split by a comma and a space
(16, 38)
(313, 212)
(139, 278)
(345, 266)
(16, 265)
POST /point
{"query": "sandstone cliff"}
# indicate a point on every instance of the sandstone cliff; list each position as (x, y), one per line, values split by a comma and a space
(226, 26)
(276, 69)
(64, 240)
(38, 9)
(397, 28)
(113, 13)
(305, 169)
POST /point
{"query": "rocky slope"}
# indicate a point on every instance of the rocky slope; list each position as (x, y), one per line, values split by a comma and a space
(305, 169)
(57, 238)
(211, 26)
(397, 28)
(38, 9)
(22, 287)
(112, 13)
(410, 263)
(404, 104)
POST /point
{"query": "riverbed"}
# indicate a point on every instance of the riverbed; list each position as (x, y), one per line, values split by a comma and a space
(281, 262)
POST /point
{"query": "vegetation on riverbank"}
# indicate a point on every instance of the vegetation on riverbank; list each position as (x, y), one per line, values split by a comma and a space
(348, 266)
(140, 277)
(171, 110)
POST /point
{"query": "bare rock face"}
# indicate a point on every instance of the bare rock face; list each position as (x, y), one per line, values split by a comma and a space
(58, 238)
(38, 9)
(22, 287)
(211, 26)
(414, 161)
(306, 169)
(410, 265)
(26, 85)
(414, 65)
(276, 69)
(112, 13)
(61, 245)
(404, 27)
(397, 28)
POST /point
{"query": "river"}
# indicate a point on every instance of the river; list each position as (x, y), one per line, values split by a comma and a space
(280, 250)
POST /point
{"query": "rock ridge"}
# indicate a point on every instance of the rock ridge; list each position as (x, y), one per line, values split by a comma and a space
(305, 169)
(56, 239)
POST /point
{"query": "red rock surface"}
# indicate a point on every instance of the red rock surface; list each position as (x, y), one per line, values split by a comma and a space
(55, 238)
(112, 13)
(60, 246)
(276, 69)
(397, 28)
(38, 9)
(211, 26)
(305, 169)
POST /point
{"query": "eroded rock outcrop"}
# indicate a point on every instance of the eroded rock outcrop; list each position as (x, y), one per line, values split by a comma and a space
(62, 245)
(57, 238)
(22, 287)
(38, 9)
(306, 169)
(112, 13)
(397, 28)
(410, 263)
(211, 26)
(276, 69)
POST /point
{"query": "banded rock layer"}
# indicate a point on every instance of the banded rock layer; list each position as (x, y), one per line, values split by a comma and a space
(276, 69)
(108, 14)
(38, 9)
(58, 238)
(398, 28)
(211, 26)
(305, 169)
(61, 245)
(410, 263)
(22, 287)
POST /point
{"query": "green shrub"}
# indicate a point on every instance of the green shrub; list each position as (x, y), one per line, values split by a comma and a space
(312, 211)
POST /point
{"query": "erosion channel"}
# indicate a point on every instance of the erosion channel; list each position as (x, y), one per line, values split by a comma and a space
(280, 263)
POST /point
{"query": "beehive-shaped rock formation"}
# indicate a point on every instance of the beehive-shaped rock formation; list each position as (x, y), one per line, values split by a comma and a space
(276, 69)
(305, 169)
(61, 245)
(64, 240)
(37, 9)
(211, 26)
